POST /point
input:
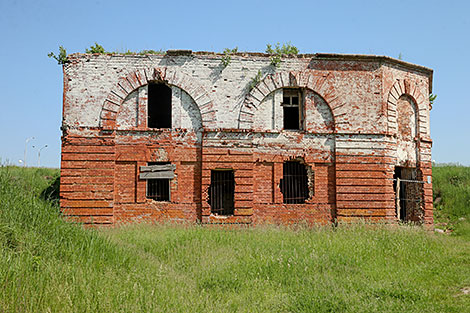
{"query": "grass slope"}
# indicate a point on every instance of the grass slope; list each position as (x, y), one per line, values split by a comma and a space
(47, 265)
(451, 191)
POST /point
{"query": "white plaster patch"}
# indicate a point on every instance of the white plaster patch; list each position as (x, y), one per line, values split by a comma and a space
(127, 115)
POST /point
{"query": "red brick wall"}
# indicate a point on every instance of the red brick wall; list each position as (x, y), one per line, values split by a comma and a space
(100, 184)
(87, 178)
(364, 188)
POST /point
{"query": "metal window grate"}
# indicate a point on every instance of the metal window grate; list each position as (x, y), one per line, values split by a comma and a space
(408, 194)
(158, 189)
(222, 192)
(294, 183)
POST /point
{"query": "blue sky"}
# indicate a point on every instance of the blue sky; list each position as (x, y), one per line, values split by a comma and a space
(434, 34)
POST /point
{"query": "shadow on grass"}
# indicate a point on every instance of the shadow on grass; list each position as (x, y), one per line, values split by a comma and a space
(51, 193)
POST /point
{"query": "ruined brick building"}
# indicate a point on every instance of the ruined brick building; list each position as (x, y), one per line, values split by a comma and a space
(181, 136)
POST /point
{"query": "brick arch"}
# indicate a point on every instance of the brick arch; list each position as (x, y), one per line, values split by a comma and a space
(142, 77)
(302, 79)
(409, 88)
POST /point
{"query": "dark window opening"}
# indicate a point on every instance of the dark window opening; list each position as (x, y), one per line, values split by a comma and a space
(294, 99)
(294, 183)
(292, 109)
(222, 192)
(408, 194)
(291, 118)
(158, 189)
(159, 106)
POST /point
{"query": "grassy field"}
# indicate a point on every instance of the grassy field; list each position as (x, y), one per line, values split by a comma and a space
(48, 265)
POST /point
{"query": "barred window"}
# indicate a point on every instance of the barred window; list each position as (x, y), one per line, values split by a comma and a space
(158, 189)
(294, 183)
(222, 192)
(158, 176)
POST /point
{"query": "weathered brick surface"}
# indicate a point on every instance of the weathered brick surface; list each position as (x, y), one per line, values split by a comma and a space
(362, 116)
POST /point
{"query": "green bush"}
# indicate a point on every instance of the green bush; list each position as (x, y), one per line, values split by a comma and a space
(255, 81)
(96, 49)
(61, 58)
(278, 51)
(227, 58)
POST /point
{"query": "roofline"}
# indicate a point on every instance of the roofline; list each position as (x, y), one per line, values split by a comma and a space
(316, 56)
(366, 57)
(380, 58)
(332, 56)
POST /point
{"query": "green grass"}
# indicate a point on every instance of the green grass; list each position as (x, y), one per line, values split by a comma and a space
(48, 265)
(451, 191)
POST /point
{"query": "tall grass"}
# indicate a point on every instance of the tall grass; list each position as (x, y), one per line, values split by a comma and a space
(451, 192)
(42, 257)
(48, 265)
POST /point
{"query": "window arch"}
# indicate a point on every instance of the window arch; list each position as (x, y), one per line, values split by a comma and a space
(294, 109)
(140, 78)
(412, 91)
(407, 118)
(305, 80)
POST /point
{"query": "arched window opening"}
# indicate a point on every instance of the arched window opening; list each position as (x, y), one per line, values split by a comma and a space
(407, 118)
(159, 106)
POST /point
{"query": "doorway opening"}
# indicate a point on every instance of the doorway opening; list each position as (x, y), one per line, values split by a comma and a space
(408, 190)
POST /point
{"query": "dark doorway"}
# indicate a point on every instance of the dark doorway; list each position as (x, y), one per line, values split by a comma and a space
(408, 194)
(159, 106)
(222, 192)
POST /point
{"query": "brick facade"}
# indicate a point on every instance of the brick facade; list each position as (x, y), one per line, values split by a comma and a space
(363, 125)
